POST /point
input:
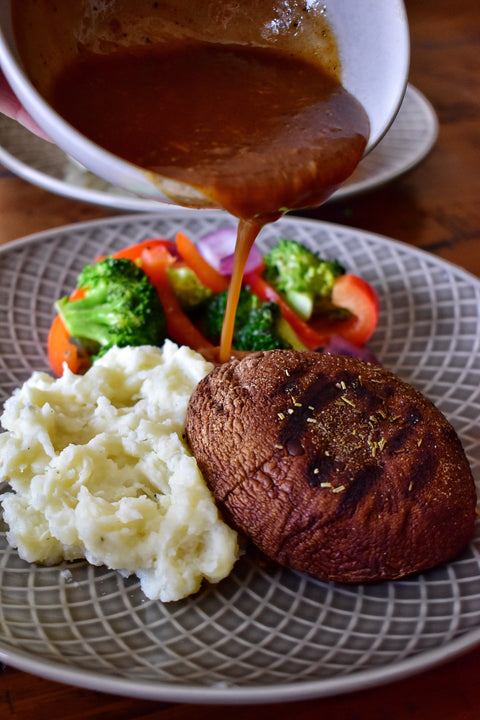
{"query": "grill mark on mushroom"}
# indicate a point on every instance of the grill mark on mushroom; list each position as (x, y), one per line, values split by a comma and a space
(400, 440)
(425, 467)
(362, 484)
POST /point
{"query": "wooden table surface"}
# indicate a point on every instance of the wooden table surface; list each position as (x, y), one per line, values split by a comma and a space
(436, 207)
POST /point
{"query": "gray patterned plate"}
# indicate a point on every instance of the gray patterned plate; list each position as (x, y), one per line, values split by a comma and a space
(408, 141)
(264, 634)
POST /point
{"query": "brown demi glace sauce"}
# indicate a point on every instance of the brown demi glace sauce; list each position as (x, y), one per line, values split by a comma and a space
(257, 131)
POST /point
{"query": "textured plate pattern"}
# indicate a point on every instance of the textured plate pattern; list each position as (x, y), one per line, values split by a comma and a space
(264, 634)
(408, 141)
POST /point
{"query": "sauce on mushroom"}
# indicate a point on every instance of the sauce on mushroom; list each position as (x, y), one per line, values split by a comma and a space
(255, 130)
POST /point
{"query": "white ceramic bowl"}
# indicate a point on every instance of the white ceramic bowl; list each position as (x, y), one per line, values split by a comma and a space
(373, 42)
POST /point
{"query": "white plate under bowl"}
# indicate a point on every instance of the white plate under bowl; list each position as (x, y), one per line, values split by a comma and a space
(407, 142)
(264, 634)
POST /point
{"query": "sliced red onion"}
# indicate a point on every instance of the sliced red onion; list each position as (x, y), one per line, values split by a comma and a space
(338, 345)
(218, 249)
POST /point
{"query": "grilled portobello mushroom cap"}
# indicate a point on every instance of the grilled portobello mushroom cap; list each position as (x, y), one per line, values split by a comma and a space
(331, 465)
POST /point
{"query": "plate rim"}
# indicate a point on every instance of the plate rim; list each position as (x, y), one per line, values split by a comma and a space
(236, 694)
(40, 235)
(375, 182)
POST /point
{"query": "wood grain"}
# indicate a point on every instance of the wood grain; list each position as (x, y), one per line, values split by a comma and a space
(434, 207)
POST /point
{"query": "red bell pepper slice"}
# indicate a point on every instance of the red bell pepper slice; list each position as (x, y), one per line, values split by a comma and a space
(305, 333)
(356, 295)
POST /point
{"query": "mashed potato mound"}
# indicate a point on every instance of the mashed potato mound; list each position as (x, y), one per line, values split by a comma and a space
(100, 470)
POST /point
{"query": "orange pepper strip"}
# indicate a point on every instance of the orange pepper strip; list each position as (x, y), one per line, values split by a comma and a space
(155, 260)
(207, 275)
(61, 349)
(306, 334)
(155, 263)
(134, 252)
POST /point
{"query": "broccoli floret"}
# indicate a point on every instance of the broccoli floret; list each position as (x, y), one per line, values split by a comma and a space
(187, 287)
(302, 276)
(259, 331)
(214, 312)
(120, 307)
(256, 323)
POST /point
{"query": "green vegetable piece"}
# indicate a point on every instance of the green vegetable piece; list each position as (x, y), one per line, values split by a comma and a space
(256, 324)
(121, 307)
(187, 287)
(288, 335)
(214, 312)
(259, 332)
(301, 276)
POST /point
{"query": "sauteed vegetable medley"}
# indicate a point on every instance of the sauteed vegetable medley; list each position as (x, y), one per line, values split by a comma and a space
(177, 289)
